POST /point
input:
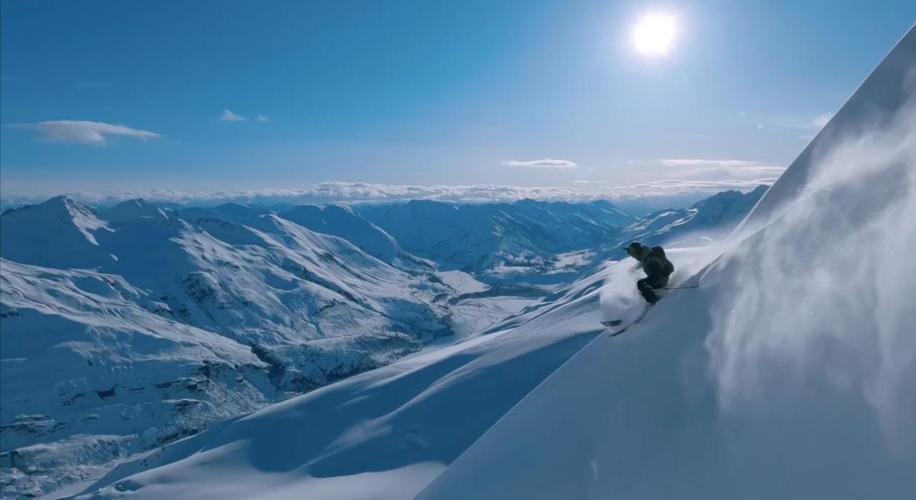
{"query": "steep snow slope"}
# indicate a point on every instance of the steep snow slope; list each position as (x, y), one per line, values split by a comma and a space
(500, 242)
(878, 102)
(787, 374)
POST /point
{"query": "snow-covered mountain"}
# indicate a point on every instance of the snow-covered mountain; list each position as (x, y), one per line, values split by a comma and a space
(786, 374)
(59, 232)
(246, 274)
(344, 222)
(132, 326)
(702, 223)
(527, 241)
(154, 322)
(548, 242)
(89, 374)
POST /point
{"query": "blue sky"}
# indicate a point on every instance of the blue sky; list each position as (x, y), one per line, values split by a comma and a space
(233, 95)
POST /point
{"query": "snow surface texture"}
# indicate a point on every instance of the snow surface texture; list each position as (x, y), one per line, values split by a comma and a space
(787, 374)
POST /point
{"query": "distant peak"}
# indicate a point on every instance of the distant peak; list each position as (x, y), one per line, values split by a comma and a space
(135, 202)
(60, 211)
(134, 208)
(60, 200)
(63, 203)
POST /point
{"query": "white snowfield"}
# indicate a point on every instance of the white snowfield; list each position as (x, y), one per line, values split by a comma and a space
(787, 374)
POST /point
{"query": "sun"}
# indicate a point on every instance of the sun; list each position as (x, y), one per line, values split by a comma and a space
(654, 34)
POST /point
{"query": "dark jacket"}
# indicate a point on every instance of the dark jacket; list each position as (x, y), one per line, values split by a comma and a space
(656, 265)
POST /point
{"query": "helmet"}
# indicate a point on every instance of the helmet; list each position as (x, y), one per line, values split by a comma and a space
(636, 250)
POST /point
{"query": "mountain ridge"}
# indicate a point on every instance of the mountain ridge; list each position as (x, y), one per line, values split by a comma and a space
(289, 308)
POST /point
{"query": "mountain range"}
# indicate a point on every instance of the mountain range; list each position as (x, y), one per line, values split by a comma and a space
(128, 327)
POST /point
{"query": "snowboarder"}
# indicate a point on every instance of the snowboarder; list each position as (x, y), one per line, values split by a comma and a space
(657, 267)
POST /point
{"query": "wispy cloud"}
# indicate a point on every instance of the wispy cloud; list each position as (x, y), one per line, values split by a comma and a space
(358, 192)
(263, 119)
(676, 186)
(683, 175)
(228, 116)
(83, 132)
(698, 162)
(324, 192)
(716, 170)
(545, 163)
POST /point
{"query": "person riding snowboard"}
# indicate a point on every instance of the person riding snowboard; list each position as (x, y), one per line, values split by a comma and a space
(657, 267)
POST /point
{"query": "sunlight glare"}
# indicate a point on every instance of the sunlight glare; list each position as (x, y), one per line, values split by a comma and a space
(654, 34)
